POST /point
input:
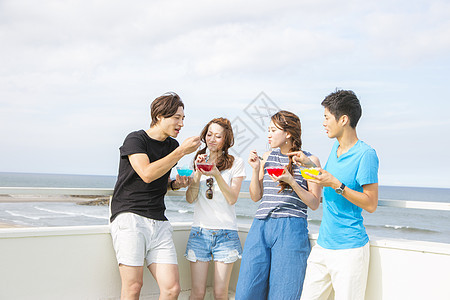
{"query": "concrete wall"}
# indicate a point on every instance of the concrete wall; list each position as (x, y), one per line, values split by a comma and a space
(408, 270)
(79, 263)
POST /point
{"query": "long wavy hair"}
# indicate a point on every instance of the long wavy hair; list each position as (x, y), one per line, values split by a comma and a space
(290, 123)
(225, 160)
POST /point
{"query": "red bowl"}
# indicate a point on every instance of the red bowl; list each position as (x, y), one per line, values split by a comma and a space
(205, 166)
(275, 171)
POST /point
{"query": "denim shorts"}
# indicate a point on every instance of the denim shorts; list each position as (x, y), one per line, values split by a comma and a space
(206, 244)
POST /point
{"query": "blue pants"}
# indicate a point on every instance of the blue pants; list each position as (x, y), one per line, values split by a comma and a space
(274, 259)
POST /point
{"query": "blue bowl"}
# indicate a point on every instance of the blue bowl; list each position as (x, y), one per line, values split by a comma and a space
(184, 172)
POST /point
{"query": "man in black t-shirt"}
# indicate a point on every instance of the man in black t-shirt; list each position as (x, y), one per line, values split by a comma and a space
(139, 228)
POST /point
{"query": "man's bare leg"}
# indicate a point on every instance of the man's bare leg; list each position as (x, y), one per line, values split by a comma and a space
(168, 279)
(132, 280)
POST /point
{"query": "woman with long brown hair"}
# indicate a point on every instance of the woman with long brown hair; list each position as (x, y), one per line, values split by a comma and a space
(277, 246)
(214, 230)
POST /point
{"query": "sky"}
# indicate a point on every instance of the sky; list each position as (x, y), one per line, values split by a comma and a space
(77, 76)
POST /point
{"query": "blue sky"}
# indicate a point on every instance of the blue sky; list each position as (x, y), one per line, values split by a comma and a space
(77, 76)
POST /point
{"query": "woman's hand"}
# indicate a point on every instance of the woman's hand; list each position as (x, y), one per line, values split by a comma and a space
(201, 158)
(254, 160)
(214, 171)
(285, 177)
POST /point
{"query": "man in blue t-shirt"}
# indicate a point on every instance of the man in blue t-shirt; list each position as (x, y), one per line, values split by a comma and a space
(340, 259)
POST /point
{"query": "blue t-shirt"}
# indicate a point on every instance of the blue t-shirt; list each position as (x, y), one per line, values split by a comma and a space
(342, 223)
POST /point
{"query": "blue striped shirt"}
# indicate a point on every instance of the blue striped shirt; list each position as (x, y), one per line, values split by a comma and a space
(286, 203)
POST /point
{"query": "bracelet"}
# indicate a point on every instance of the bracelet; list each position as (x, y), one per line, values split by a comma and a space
(171, 186)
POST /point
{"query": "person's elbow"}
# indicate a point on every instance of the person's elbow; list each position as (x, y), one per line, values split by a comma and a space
(314, 202)
(314, 206)
(147, 179)
(255, 198)
(255, 195)
(372, 207)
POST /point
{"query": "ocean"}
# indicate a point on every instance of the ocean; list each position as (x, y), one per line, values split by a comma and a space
(386, 222)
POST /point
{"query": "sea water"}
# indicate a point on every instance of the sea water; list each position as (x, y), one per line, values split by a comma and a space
(386, 222)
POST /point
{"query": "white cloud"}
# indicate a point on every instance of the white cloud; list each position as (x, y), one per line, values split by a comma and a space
(409, 36)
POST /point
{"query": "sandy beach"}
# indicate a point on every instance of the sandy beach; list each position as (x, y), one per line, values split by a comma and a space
(7, 225)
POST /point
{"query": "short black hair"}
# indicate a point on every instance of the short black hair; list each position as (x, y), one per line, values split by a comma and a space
(341, 103)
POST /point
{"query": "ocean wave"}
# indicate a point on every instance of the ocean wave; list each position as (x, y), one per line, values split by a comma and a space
(400, 228)
(16, 214)
(314, 222)
(181, 210)
(72, 213)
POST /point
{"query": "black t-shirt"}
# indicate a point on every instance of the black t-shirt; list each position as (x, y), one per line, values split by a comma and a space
(131, 193)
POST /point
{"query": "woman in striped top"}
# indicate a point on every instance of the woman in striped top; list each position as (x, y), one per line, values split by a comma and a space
(277, 246)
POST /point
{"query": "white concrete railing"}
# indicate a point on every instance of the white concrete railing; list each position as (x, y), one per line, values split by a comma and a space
(244, 195)
(79, 263)
(70, 263)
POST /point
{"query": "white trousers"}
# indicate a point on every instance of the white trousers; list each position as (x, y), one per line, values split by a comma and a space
(345, 271)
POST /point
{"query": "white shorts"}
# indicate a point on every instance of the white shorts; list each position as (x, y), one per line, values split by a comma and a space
(136, 238)
(344, 270)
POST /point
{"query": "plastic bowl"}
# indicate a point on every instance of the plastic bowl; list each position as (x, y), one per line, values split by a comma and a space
(184, 171)
(275, 171)
(309, 170)
(205, 166)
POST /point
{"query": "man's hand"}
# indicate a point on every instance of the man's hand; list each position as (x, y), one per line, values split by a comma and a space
(300, 159)
(182, 181)
(190, 144)
(325, 179)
